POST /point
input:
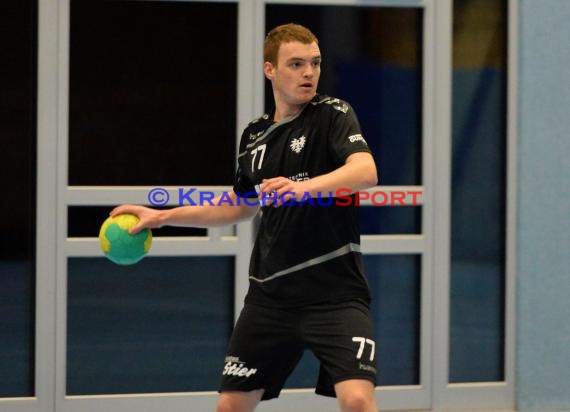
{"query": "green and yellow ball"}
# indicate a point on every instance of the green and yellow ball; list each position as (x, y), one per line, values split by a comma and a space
(118, 245)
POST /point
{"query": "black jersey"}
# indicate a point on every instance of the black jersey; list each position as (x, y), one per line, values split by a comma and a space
(310, 252)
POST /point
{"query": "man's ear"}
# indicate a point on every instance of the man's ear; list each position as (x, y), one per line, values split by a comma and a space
(268, 70)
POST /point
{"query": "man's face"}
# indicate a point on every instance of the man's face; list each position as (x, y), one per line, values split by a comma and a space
(296, 75)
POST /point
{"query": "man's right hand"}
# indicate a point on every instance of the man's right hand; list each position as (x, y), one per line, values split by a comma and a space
(148, 217)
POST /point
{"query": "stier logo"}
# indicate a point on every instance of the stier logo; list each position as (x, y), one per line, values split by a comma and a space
(234, 367)
(298, 144)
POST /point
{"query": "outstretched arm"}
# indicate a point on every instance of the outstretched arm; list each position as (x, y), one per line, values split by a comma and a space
(195, 216)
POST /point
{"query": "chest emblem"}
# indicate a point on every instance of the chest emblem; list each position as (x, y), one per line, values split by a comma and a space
(298, 144)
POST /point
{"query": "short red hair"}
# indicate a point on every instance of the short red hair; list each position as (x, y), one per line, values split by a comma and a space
(284, 34)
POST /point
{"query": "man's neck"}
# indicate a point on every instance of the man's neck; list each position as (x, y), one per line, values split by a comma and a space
(285, 112)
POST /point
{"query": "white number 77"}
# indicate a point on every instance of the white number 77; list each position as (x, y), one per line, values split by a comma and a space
(363, 342)
(261, 149)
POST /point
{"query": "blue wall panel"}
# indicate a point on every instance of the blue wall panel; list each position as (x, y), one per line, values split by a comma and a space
(543, 334)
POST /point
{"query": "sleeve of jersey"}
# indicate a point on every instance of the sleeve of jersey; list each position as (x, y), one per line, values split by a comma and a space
(346, 136)
(243, 186)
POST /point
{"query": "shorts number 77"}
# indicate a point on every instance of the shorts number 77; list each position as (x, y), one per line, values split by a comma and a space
(363, 341)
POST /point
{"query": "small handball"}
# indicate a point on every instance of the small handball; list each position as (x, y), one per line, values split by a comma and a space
(118, 245)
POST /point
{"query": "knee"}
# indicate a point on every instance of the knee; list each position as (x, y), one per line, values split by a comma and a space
(238, 401)
(230, 403)
(357, 402)
(224, 405)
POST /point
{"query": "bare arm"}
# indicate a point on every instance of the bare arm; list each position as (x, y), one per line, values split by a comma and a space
(195, 216)
(358, 172)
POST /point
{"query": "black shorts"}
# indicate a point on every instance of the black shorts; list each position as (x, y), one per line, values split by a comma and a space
(267, 344)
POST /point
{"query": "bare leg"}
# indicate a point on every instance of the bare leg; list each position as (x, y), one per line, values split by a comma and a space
(356, 395)
(236, 401)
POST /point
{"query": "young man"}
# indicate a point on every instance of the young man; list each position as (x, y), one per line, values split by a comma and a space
(307, 289)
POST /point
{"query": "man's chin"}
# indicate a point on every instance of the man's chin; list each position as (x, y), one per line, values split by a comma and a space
(307, 97)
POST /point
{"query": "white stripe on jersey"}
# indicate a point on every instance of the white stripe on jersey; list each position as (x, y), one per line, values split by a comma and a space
(349, 247)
